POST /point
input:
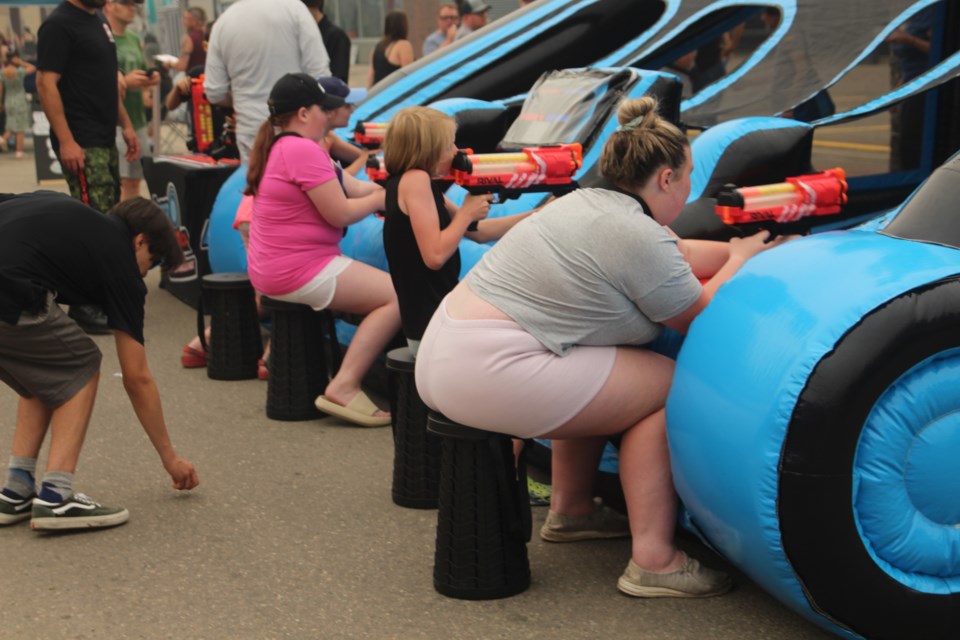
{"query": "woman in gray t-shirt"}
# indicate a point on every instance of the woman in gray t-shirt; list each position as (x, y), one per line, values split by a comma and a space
(544, 339)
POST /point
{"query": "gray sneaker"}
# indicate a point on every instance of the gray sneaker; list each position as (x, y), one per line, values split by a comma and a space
(76, 512)
(692, 580)
(14, 509)
(603, 523)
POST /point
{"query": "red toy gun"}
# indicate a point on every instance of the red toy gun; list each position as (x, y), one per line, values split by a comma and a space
(508, 175)
(377, 172)
(817, 194)
(370, 134)
(202, 116)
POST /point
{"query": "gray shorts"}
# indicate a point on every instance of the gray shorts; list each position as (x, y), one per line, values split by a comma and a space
(47, 356)
(133, 169)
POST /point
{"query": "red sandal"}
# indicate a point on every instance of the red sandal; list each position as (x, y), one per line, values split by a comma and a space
(193, 358)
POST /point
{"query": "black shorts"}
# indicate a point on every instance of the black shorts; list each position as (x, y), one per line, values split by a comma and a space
(47, 356)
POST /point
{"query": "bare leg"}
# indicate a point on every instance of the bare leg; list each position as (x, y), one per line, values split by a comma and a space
(648, 489)
(573, 470)
(68, 424)
(363, 289)
(631, 402)
(20, 139)
(129, 188)
(195, 342)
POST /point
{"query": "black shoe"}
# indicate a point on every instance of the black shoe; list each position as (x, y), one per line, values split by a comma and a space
(91, 318)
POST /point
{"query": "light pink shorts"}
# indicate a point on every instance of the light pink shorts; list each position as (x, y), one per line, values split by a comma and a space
(493, 375)
(318, 293)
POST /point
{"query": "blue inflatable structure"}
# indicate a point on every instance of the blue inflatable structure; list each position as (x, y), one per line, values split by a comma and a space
(813, 422)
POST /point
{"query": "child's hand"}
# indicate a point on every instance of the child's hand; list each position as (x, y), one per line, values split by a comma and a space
(476, 207)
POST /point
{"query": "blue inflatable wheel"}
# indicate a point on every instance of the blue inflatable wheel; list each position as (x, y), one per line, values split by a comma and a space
(869, 495)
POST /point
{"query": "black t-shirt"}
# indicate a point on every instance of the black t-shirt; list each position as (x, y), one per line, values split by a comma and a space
(419, 288)
(337, 43)
(80, 47)
(51, 242)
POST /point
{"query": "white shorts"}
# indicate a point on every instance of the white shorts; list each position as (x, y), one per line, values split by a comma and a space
(318, 293)
(493, 375)
(132, 169)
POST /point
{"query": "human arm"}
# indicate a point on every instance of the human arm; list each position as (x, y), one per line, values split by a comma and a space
(357, 188)
(179, 92)
(404, 53)
(492, 229)
(71, 155)
(451, 35)
(186, 49)
(352, 158)
(128, 133)
(26, 66)
(140, 79)
(142, 390)
(705, 257)
(740, 250)
(370, 76)
(436, 245)
(216, 80)
(340, 211)
(902, 36)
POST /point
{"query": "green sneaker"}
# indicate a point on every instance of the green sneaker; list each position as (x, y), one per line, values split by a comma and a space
(603, 523)
(76, 512)
(539, 493)
(14, 509)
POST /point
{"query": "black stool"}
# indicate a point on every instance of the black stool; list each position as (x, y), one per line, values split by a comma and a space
(416, 453)
(299, 367)
(483, 524)
(235, 342)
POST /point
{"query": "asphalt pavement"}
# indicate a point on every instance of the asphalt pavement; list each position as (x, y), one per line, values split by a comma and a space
(292, 533)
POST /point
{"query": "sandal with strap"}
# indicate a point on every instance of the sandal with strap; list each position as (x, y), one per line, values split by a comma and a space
(360, 411)
(193, 358)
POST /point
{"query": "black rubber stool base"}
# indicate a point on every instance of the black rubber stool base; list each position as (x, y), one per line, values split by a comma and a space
(298, 362)
(483, 522)
(235, 341)
(416, 453)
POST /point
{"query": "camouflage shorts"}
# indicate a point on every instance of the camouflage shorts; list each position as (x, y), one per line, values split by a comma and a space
(102, 173)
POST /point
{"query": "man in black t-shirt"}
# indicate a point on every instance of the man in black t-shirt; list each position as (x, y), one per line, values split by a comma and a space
(55, 249)
(335, 39)
(77, 83)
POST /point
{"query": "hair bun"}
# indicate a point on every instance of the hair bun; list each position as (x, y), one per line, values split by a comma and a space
(643, 110)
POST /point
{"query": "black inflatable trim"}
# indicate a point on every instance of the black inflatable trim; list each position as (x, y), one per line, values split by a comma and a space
(592, 32)
(930, 214)
(820, 536)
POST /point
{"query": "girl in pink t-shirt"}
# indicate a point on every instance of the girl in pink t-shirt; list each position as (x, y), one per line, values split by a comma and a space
(299, 212)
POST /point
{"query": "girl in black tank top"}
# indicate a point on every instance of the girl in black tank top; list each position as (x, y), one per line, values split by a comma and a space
(422, 228)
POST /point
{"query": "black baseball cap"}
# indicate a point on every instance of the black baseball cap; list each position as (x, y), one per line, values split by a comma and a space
(296, 90)
(473, 6)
